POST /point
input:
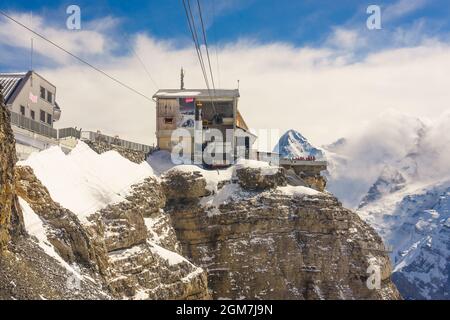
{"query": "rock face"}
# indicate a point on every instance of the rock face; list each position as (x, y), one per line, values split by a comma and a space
(417, 227)
(26, 270)
(71, 240)
(11, 223)
(142, 247)
(127, 255)
(250, 237)
(260, 179)
(280, 243)
(309, 176)
(102, 147)
(184, 186)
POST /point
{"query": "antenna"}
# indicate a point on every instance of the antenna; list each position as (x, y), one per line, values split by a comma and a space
(32, 45)
(239, 84)
(32, 52)
(182, 78)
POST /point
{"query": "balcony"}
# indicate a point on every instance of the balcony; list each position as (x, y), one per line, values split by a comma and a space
(31, 125)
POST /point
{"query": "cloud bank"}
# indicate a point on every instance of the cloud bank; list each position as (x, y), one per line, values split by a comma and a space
(325, 92)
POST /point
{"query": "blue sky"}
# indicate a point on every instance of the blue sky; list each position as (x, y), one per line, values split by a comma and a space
(298, 22)
(335, 74)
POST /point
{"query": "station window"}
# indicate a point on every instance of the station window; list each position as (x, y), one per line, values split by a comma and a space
(49, 97)
(43, 93)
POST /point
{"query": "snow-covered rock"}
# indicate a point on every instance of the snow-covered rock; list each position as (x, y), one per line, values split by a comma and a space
(282, 242)
(84, 181)
(413, 222)
(397, 173)
(292, 145)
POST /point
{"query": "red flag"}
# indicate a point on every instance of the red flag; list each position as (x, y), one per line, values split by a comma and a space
(33, 98)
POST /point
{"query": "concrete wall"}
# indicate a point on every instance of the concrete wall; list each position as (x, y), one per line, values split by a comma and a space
(33, 85)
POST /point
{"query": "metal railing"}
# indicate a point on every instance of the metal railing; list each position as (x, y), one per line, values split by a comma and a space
(69, 133)
(33, 126)
(98, 137)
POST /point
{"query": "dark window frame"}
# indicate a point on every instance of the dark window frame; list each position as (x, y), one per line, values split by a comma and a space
(43, 93)
(168, 120)
(49, 119)
(33, 114)
(42, 116)
(49, 97)
(23, 110)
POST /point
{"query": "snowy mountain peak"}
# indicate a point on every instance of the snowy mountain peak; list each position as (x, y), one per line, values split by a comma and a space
(293, 144)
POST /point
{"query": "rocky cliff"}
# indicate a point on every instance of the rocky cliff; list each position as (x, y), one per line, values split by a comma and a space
(266, 240)
(127, 250)
(27, 271)
(240, 233)
(11, 223)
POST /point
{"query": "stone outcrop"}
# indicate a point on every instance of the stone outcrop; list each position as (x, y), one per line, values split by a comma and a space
(102, 147)
(261, 178)
(184, 185)
(281, 243)
(306, 175)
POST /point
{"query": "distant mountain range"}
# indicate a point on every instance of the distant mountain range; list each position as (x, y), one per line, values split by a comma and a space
(397, 175)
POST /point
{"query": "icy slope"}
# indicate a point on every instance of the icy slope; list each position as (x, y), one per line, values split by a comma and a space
(415, 222)
(397, 173)
(84, 181)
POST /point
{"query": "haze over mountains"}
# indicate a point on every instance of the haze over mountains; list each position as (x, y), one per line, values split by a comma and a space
(396, 173)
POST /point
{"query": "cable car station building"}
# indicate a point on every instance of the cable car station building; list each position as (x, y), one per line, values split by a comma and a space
(203, 114)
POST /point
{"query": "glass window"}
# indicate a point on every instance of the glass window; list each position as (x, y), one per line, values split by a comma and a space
(33, 115)
(49, 97)
(22, 110)
(42, 93)
(42, 117)
(49, 118)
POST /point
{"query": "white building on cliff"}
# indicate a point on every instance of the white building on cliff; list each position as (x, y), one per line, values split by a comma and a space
(31, 100)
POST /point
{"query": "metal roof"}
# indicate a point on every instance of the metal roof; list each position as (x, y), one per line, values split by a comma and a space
(10, 82)
(197, 93)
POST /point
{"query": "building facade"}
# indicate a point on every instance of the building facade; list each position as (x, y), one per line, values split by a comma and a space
(31, 100)
(195, 119)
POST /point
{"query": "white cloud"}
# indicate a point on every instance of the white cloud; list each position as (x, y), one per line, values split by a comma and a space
(402, 8)
(319, 91)
(346, 39)
(86, 42)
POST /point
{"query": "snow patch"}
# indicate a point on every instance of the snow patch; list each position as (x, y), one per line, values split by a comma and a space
(35, 227)
(298, 191)
(84, 181)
